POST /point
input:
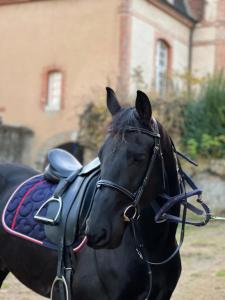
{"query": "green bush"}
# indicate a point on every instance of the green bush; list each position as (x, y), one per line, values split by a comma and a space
(204, 120)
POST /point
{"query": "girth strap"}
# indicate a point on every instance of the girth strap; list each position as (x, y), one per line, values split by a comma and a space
(65, 268)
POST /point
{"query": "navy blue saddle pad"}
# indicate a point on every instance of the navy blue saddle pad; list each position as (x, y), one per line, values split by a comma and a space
(18, 216)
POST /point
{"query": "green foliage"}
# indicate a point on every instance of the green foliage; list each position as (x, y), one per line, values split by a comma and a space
(204, 120)
(220, 273)
(192, 147)
(93, 124)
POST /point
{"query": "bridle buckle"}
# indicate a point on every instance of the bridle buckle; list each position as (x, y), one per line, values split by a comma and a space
(130, 213)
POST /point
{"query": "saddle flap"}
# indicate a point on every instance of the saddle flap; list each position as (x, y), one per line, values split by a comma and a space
(73, 202)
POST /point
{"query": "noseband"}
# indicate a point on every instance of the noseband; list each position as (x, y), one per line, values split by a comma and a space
(132, 211)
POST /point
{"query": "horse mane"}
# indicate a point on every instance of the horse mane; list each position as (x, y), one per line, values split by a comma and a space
(169, 160)
(172, 175)
(124, 118)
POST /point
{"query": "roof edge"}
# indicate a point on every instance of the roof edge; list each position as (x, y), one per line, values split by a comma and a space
(10, 2)
(172, 11)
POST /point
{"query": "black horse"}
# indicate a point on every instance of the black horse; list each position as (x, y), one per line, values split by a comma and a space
(109, 266)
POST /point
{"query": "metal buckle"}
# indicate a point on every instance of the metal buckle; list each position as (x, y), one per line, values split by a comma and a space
(63, 280)
(216, 218)
(135, 213)
(162, 219)
(51, 221)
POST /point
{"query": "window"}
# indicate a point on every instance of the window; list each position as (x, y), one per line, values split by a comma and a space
(162, 51)
(54, 91)
(171, 1)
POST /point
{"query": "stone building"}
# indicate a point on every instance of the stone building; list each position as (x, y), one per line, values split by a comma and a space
(54, 53)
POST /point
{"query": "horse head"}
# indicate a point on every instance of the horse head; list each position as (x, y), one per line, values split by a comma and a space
(131, 170)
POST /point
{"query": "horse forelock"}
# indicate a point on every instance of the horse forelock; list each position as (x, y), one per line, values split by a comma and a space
(125, 118)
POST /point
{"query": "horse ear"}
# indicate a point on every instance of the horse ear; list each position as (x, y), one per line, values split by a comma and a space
(112, 102)
(143, 106)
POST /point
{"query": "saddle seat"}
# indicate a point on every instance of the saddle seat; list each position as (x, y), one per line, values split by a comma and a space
(62, 164)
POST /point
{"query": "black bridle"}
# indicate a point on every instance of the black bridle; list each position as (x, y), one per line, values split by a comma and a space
(135, 197)
(131, 213)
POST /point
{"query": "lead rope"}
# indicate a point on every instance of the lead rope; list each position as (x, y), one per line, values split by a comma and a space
(142, 257)
(140, 246)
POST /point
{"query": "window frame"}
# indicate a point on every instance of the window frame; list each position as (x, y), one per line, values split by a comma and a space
(54, 92)
(165, 50)
(45, 88)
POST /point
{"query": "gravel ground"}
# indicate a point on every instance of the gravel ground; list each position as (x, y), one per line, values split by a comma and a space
(203, 275)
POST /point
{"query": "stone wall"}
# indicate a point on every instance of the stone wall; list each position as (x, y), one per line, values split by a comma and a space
(15, 144)
(211, 179)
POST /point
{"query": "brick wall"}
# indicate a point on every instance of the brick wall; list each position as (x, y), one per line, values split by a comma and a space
(196, 8)
(14, 1)
(220, 56)
(124, 47)
(221, 10)
(220, 36)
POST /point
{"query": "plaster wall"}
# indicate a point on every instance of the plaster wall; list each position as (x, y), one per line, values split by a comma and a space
(203, 60)
(80, 37)
(208, 40)
(149, 24)
(180, 57)
(204, 34)
(210, 11)
(160, 20)
(142, 53)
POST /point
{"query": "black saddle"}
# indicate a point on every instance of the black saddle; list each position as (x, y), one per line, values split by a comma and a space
(66, 211)
(75, 201)
(61, 165)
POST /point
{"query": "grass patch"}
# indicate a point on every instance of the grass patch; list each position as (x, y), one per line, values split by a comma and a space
(5, 285)
(196, 275)
(220, 273)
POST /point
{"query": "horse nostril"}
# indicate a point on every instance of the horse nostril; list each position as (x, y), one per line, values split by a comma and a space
(96, 238)
(104, 234)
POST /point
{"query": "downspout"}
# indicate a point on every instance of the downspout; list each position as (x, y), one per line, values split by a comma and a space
(124, 48)
(190, 54)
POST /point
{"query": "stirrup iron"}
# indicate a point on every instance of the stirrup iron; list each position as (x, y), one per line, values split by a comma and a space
(54, 220)
(62, 280)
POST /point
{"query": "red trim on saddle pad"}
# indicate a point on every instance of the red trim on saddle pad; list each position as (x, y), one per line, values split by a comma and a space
(14, 217)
